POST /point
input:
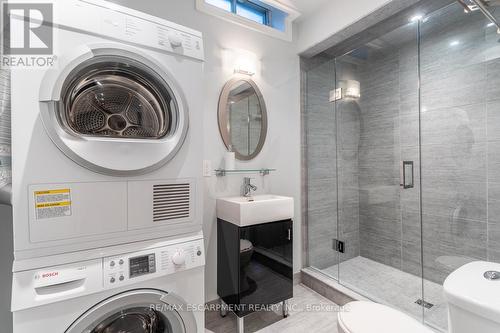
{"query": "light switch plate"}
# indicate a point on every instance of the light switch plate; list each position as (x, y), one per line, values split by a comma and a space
(207, 168)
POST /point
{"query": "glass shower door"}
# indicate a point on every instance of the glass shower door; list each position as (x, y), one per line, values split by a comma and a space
(321, 156)
(403, 159)
(460, 118)
(378, 170)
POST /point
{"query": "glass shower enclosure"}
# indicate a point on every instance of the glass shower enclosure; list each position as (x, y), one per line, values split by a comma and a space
(402, 152)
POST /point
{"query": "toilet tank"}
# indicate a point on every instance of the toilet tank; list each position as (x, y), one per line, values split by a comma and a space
(472, 293)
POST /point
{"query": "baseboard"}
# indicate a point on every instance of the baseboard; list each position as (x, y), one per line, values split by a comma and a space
(215, 301)
(297, 278)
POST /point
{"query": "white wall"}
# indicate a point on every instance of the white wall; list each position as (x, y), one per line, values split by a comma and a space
(332, 17)
(279, 83)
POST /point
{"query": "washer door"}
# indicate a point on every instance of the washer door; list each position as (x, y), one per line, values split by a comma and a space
(137, 311)
(114, 111)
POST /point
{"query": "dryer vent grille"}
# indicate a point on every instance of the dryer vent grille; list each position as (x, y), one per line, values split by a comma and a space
(171, 201)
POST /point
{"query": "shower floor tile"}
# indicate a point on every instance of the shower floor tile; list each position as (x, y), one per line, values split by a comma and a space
(393, 287)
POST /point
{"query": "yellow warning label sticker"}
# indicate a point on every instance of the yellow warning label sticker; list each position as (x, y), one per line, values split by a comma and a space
(52, 203)
(64, 190)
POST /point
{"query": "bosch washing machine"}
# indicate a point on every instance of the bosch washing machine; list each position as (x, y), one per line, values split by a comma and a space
(136, 288)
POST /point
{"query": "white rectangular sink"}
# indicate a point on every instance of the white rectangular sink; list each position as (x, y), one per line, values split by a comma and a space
(257, 209)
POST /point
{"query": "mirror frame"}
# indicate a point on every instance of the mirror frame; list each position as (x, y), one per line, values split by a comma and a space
(222, 116)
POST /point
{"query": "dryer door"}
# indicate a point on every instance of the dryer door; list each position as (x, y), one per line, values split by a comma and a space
(114, 110)
(137, 311)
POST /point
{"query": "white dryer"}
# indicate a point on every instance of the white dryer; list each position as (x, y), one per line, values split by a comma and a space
(107, 143)
(139, 288)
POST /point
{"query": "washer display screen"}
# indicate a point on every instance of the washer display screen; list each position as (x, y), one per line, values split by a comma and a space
(142, 265)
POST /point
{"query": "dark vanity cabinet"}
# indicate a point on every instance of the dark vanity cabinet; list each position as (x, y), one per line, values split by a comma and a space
(254, 264)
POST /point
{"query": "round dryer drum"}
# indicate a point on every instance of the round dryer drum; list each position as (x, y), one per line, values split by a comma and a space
(137, 311)
(115, 111)
(117, 99)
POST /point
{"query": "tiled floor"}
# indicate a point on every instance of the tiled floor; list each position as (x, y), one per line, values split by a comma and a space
(309, 312)
(388, 285)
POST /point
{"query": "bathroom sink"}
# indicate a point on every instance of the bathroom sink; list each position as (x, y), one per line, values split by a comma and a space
(245, 211)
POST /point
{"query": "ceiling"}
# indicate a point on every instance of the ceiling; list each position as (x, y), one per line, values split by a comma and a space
(304, 6)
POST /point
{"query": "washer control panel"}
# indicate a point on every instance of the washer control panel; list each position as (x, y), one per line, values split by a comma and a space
(152, 263)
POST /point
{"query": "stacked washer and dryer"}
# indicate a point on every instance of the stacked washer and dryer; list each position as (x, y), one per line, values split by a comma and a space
(106, 184)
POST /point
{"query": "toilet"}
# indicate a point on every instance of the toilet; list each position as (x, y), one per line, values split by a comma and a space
(371, 317)
(246, 251)
(473, 296)
(471, 292)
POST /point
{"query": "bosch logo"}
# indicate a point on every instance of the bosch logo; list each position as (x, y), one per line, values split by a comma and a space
(51, 274)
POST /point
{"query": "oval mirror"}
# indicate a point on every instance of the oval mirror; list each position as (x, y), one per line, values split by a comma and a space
(242, 118)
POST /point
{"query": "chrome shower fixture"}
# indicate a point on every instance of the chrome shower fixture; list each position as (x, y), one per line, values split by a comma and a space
(482, 5)
(468, 5)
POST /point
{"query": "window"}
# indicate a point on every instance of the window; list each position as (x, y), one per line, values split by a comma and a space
(244, 8)
(267, 16)
(224, 4)
(253, 12)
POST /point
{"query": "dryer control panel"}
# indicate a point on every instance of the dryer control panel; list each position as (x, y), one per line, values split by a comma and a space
(147, 264)
(108, 19)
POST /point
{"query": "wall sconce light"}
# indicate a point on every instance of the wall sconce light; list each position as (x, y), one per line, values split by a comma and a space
(350, 88)
(241, 61)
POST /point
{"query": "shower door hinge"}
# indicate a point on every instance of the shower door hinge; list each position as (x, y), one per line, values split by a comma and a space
(335, 95)
(423, 303)
(338, 246)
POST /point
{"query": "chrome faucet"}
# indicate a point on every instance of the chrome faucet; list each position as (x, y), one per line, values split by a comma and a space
(248, 187)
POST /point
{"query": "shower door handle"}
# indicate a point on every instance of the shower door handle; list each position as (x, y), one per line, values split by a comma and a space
(407, 175)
